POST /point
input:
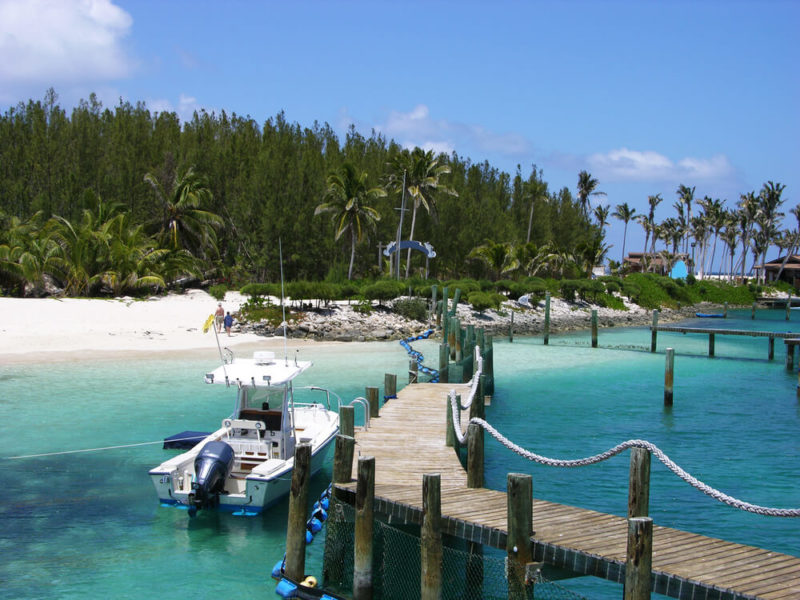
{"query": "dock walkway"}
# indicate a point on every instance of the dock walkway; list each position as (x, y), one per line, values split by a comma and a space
(408, 440)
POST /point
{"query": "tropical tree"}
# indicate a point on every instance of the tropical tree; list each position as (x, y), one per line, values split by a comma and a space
(685, 197)
(422, 173)
(134, 262)
(498, 257)
(746, 218)
(184, 221)
(624, 213)
(601, 214)
(347, 198)
(587, 186)
(536, 189)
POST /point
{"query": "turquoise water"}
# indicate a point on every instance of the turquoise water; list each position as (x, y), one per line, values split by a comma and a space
(87, 525)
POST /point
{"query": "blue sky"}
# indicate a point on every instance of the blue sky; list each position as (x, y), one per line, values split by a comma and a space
(643, 95)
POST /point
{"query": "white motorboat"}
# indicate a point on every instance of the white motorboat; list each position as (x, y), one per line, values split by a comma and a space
(246, 465)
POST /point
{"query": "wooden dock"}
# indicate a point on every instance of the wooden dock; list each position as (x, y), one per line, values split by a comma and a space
(408, 441)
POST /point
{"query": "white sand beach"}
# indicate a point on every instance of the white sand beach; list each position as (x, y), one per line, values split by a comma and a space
(39, 329)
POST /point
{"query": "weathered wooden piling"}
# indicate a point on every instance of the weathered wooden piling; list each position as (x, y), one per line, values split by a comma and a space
(364, 526)
(372, 400)
(431, 538)
(725, 311)
(639, 483)
(347, 420)
(753, 312)
(344, 449)
(654, 332)
(413, 371)
(639, 561)
(511, 328)
(520, 530)
(298, 507)
(434, 306)
(450, 438)
(711, 344)
(771, 348)
(444, 362)
(389, 385)
(594, 328)
(788, 305)
(474, 455)
(546, 318)
(668, 376)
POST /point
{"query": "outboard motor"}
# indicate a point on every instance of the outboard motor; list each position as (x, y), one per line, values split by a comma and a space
(211, 467)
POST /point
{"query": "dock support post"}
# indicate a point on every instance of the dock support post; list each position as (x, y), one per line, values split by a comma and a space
(753, 312)
(298, 507)
(444, 313)
(789, 357)
(342, 460)
(451, 441)
(372, 400)
(594, 328)
(771, 348)
(639, 483)
(788, 304)
(458, 338)
(413, 371)
(434, 313)
(431, 538)
(511, 328)
(711, 344)
(669, 376)
(639, 561)
(474, 455)
(654, 333)
(347, 420)
(444, 361)
(451, 336)
(389, 386)
(725, 310)
(365, 523)
(520, 530)
(546, 318)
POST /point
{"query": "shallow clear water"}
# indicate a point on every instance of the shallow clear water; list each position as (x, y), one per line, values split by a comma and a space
(88, 525)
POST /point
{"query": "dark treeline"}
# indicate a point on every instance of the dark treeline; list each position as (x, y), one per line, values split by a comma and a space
(265, 182)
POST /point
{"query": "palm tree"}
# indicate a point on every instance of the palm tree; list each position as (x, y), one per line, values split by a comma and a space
(601, 214)
(423, 174)
(746, 217)
(769, 202)
(184, 222)
(499, 257)
(134, 260)
(730, 236)
(685, 196)
(587, 186)
(348, 197)
(624, 213)
(537, 188)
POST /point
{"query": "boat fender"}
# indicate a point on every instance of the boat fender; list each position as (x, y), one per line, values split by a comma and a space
(309, 537)
(320, 514)
(277, 570)
(314, 525)
(324, 503)
(309, 581)
(286, 589)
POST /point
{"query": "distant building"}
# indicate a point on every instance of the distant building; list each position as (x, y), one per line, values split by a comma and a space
(790, 273)
(655, 263)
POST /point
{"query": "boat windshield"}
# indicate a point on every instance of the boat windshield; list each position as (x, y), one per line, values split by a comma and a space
(264, 398)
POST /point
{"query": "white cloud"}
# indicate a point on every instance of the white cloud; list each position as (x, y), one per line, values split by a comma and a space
(418, 128)
(45, 43)
(633, 165)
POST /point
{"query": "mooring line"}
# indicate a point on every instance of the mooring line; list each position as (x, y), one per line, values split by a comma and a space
(100, 449)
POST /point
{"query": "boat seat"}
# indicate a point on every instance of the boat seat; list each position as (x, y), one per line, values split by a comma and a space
(270, 418)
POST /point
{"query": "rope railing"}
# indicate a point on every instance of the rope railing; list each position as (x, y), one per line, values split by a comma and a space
(590, 460)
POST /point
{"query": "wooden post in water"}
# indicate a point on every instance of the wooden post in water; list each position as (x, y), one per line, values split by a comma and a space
(753, 313)
(725, 311)
(456, 298)
(639, 483)
(639, 561)
(546, 318)
(298, 507)
(771, 348)
(444, 361)
(445, 298)
(431, 538)
(654, 333)
(372, 400)
(474, 455)
(511, 328)
(457, 338)
(342, 460)
(451, 336)
(788, 304)
(365, 523)
(435, 314)
(413, 371)
(594, 328)
(711, 344)
(520, 530)
(389, 386)
(789, 357)
(347, 420)
(668, 376)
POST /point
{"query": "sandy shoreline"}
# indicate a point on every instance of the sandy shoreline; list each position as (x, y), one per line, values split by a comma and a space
(53, 329)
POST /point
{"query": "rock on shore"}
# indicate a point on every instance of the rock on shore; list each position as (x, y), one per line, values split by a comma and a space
(339, 322)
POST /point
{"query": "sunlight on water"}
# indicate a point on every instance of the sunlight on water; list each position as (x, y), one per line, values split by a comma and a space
(88, 524)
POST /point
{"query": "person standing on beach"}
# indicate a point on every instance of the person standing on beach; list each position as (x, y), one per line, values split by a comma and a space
(228, 323)
(219, 317)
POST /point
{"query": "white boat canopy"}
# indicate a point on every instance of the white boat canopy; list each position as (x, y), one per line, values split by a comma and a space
(263, 370)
